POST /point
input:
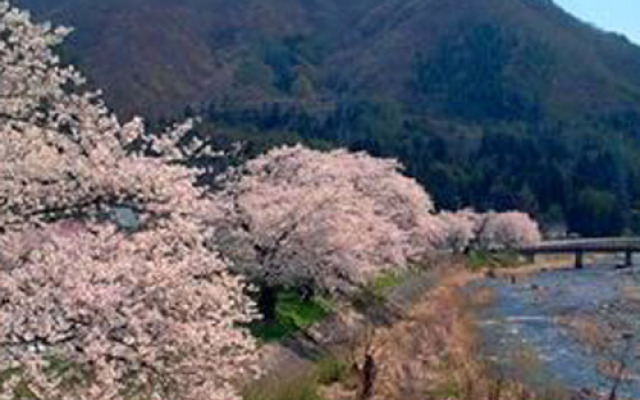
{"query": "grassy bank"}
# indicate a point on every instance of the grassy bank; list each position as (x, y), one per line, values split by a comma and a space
(433, 353)
(430, 353)
(308, 385)
(288, 312)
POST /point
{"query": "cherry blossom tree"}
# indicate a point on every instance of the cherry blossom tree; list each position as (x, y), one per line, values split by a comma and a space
(459, 229)
(63, 151)
(507, 230)
(87, 309)
(89, 312)
(466, 229)
(329, 220)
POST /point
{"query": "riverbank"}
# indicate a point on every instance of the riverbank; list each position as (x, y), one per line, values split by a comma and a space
(433, 353)
(446, 334)
(300, 366)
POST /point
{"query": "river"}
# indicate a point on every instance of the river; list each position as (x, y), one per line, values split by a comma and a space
(573, 329)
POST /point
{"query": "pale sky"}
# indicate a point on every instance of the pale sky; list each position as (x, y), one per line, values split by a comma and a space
(622, 16)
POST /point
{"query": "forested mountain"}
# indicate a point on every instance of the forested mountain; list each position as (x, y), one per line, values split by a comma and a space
(490, 103)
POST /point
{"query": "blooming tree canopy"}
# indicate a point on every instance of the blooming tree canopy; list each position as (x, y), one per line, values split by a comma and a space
(507, 230)
(87, 310)
(491, 231)
(93, 307)
(459, 229)
(331, 220)
(92, 313)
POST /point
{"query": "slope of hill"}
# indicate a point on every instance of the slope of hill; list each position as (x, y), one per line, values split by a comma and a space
(154, 55)
(491, 103)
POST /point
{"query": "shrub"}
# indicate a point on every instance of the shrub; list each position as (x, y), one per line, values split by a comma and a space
(290, 313)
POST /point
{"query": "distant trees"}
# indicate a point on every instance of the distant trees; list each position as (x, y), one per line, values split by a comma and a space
(500, 170)
(467, 229)
(473, 74)
(291, 62)
(460, 229)
(106, 288)
(596, 211)
(479, 128)
(506, 230)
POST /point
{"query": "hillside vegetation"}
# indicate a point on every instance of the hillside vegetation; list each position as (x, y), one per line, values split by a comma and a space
(490, 103)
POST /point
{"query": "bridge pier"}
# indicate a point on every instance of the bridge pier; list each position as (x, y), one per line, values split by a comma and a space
(579, 247)
(579, 259)
(628, 259)
(531, 258)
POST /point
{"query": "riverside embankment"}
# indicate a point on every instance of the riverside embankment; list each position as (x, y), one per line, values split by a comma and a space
(537, 332)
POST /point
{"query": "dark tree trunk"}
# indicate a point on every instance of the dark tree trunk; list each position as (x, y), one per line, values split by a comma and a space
(368, 378)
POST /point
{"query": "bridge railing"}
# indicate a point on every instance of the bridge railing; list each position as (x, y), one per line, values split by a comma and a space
(595, 244)
(581, 246)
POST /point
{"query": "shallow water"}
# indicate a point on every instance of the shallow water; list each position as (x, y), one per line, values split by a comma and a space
(524, 339)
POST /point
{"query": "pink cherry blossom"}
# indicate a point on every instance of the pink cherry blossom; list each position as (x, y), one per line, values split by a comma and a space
(491, 231)
(507, 230)
(459, 228)
(332, 219)
(149, 313)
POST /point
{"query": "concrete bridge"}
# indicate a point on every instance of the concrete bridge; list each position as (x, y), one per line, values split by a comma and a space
(626, 246)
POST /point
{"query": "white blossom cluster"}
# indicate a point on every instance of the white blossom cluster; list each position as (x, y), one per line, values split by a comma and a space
(489, 231)
(87, 310)
(331, 220)
(335, 220)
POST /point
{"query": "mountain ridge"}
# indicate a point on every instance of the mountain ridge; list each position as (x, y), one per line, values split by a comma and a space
(170, 53)
(495, 104)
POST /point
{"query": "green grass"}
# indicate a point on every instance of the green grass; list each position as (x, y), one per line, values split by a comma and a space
(326, 371)
(375, 293)
(478, 259)
(304, 388)
(292, 310)
(6, 375)
(329, 370)
(292, 313)
(271, 331)
(385, 281)
(21, 391)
